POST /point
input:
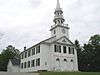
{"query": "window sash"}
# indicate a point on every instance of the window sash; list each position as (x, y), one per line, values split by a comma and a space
(33, 51)
(32, 63)
(64, 49)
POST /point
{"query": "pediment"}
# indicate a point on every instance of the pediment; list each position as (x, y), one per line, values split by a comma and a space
(64, 40)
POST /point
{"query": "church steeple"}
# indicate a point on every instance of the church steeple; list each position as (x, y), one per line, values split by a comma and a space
(58, 18)
(59, 29)
(58, 4)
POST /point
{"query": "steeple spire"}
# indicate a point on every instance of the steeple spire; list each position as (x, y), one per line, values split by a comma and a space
(58, 4)
(58, 18)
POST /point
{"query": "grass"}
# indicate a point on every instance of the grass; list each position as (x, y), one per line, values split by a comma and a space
(70, 73)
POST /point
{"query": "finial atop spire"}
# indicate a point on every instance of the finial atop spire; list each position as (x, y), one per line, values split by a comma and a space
(58, 4)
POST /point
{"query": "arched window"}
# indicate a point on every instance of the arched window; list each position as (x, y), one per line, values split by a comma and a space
(54, 32)
(61, 21)
(58, 21)
(57, 59)
(72, 60)
(55, 22)
(65, 60)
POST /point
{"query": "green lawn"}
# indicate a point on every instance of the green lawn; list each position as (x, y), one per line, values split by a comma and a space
(70, 73)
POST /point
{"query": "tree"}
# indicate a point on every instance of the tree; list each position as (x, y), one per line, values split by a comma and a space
(91, 54)
(9, 53)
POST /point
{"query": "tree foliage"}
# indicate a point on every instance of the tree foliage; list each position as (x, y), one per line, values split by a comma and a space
(9, 53)
(89, 57)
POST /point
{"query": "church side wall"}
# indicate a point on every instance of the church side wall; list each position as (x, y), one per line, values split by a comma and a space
(30, 58)
(45, 57)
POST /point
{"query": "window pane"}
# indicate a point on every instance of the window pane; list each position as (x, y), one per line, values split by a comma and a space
(65, 59)
(28, 64)
(33, 51)
(24, 64)
(55, 48)
(21, 65)
(38, 61)
(64, 49)
(29, 53)
(57, 59)
(60, 49)
(37, 49)
(25, 54)
(73, 50)
(54, 32)
(32, 63)
(69, 50)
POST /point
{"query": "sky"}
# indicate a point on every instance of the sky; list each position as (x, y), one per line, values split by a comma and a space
(27, 22)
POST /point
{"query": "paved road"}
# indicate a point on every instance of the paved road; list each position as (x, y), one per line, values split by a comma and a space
(6, 73)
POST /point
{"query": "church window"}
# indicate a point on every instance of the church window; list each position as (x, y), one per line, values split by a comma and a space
(54, 32)
(37, 49)
(29, 52)
(38, 62)
(25, 54)
(32, 63)
(71, 50)
(24, 64)
(61, 21)
(65, 59)
(22, 56)
(58, 22)
(28, 64)
(33, 51)
(60, 49)
(57, 59)
(57, 48)
(72, 60)
(64, 49)
(45, 63)
(55, 22)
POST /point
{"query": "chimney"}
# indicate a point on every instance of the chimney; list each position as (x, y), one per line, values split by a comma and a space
(24, 48)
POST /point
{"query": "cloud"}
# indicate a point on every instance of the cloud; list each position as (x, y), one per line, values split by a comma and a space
(26, 22)
(83, 18)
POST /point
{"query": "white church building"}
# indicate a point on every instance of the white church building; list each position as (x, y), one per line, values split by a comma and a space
(56, 53)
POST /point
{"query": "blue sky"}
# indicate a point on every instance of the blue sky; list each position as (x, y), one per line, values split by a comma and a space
(27, 22)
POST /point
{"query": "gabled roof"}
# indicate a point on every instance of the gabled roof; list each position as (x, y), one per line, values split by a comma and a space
(43, 42)
(15, 62)
(52, 40)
